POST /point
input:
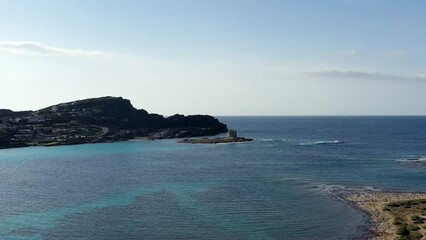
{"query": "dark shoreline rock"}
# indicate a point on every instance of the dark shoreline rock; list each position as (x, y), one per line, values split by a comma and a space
(215, 140)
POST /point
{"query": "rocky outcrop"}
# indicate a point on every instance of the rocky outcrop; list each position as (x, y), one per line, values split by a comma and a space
(215, 140)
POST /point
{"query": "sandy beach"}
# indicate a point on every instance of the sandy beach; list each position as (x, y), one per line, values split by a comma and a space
(383, 226)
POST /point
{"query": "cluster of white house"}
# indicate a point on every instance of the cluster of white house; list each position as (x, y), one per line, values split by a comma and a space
(33, 129)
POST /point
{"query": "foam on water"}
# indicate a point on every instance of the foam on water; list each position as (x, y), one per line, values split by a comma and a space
(413, 160)
(267, 140)
(339, 190)
(306, 143)
(418, 162)
(320, 143)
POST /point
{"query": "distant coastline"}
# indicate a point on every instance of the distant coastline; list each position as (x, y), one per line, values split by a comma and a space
(95, 120)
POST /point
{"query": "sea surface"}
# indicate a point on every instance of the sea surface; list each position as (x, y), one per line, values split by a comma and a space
(284, 185)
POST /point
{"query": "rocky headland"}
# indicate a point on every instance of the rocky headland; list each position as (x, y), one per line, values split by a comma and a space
(94, 120)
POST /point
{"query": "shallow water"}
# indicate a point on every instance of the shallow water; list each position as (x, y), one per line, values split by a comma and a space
(281, 186)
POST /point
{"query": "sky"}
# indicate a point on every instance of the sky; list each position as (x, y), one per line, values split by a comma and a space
(232, 57)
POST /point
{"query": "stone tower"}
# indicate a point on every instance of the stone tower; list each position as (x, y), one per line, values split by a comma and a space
(232, 133)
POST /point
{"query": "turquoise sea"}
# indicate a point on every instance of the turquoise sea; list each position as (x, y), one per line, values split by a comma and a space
(285, 185)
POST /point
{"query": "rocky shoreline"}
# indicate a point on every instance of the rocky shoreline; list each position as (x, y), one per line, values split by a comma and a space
(375, 205)
(230, 138)
(214, 140)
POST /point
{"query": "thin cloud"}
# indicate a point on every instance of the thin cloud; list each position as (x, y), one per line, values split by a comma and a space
(396, 53)
(41, 49)
(365, 75)
(347, 52)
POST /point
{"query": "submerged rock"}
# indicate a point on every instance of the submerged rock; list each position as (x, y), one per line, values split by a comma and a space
(215, 140)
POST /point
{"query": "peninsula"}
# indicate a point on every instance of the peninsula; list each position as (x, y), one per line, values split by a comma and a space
(104, 119)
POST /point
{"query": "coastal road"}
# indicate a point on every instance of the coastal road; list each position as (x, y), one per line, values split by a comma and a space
(103, 132)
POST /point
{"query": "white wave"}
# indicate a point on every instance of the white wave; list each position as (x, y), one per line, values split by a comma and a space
(328, 142)
(274, 140)
(412, 160)
(338, 188)
(339, 191)
(320, 143)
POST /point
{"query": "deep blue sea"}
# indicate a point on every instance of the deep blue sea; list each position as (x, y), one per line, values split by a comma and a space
(284, 185)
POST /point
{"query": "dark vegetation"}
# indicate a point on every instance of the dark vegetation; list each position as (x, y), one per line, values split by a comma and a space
(410, 217)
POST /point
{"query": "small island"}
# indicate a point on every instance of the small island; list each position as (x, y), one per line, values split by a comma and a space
(230, 138)
(400, 216)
